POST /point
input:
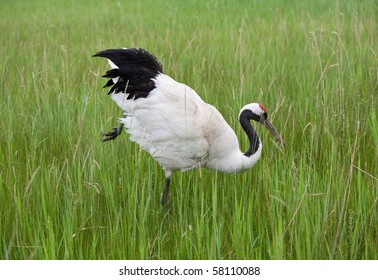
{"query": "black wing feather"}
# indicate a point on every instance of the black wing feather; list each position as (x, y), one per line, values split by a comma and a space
(136, 68)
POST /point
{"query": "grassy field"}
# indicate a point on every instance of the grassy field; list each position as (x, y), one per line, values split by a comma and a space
(66, 195)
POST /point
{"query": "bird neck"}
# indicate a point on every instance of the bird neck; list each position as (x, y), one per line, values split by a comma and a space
(228, 157)
(254, 139)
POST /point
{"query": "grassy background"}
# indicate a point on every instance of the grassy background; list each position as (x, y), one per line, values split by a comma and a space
(66, 195)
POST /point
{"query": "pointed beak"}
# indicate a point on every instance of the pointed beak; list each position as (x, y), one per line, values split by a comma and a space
(271, 128)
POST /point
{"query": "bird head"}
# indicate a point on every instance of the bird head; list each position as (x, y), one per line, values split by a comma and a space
(258, 113)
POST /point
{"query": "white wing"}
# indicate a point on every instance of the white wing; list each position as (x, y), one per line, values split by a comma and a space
(170, 124)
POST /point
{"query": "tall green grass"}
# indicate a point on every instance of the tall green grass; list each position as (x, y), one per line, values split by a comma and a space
(66, 195)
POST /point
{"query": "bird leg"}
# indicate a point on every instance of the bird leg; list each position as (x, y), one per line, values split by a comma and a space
(164, 197)
(112, 134)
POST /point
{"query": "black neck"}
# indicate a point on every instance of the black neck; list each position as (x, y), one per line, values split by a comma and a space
(254, 139)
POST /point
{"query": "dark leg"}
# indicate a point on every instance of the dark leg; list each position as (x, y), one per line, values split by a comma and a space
(112, 134)
(164, 197)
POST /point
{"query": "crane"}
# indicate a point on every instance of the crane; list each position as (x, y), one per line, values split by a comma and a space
(172, 123)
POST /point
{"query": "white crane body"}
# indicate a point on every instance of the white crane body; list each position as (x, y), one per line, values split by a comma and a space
(181, 131)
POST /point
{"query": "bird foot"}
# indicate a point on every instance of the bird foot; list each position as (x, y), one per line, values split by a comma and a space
(112, 134)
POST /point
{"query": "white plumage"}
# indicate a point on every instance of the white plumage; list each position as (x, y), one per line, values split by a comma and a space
(173, 124)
